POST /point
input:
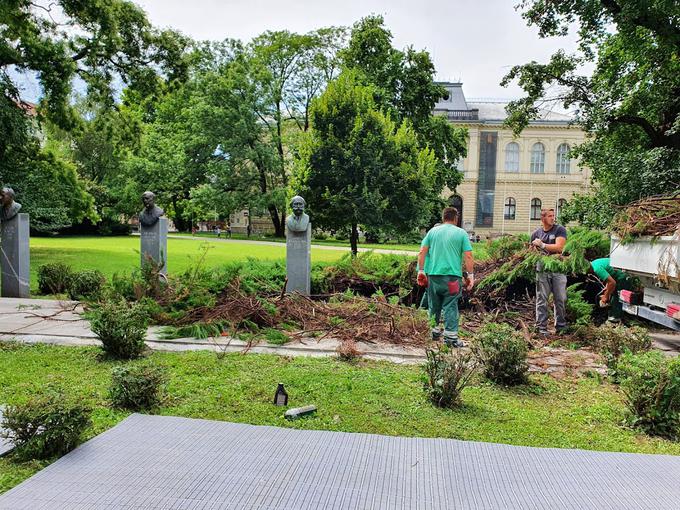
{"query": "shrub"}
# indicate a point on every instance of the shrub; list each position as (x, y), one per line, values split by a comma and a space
(137, 387)
(447, 373)
(579, 311)
(85, 284)
(613, 340)
(46, 425)
(506, 246)
(275, 336)
(651, 384)
(53, 278)
(502, 352)
(121, 327)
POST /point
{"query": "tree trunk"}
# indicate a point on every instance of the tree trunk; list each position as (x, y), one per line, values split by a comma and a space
(354, 239)
(279, 228)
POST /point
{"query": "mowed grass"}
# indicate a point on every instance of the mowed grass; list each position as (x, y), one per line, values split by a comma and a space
(478, 249)
(369, 397)
(121, 254)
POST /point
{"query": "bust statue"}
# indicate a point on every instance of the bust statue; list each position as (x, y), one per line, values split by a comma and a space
(298, 221)
(151, 212)
(8, 207)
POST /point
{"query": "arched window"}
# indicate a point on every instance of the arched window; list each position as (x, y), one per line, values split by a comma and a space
(512, 157)
(563, 161)
(535, 208)
(537, 158)
(510, 208)
(560, 204)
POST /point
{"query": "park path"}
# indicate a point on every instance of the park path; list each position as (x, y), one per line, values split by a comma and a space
(282, 245)
(61, 323)
(180, 463)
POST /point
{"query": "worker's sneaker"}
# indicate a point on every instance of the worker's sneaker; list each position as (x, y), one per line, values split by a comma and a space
(613, 320)
(436, 334)
(453, 341)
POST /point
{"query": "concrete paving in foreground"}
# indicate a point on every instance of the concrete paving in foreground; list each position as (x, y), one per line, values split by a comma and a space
(154, 462)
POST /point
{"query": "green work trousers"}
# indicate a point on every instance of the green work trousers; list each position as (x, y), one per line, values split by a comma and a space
(443, 292)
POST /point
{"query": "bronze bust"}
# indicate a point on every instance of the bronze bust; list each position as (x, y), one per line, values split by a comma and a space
(298, 221)
(151, 212)
(8, 207)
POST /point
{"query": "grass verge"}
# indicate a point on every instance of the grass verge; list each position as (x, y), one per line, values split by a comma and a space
(370, 397)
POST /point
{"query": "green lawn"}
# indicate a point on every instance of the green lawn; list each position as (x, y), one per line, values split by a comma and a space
(371, 397)
(121, 254)
(478, 249)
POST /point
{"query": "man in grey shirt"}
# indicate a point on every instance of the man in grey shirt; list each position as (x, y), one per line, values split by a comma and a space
(550, 238)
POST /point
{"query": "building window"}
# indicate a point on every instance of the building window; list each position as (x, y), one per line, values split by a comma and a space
(560, 204)
(510, 208)
(537, 158)
(563, 161)
(512, 157)
(535, 208)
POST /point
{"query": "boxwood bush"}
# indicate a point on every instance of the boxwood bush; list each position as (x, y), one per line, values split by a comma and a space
(121, 327)
(651, 383)
(53, 278)
(502, 352)
(137, 386)
(46, 425)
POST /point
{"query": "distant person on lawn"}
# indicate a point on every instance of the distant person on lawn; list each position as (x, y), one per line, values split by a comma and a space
(550, 239)
(440, 264)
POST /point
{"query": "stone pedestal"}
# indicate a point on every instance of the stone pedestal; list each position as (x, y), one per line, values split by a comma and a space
(155, 243)
(15, 255)
(299, 261)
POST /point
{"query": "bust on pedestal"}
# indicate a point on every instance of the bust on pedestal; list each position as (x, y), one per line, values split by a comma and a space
(14, 250)
(298, 248)
(153, 232)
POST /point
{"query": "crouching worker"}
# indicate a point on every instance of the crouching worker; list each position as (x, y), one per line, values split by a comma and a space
(440, 264)
(613, 281)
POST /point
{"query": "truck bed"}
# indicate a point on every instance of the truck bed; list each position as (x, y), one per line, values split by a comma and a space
(653, 257)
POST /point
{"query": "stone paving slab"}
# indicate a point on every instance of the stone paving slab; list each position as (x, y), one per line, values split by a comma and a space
(154, 462)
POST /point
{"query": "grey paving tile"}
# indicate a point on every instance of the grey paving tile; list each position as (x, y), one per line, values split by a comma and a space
(153, 462)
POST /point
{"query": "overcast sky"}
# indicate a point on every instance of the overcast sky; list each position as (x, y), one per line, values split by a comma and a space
(474, 41)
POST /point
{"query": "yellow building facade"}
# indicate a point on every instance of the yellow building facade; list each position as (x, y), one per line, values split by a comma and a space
(508, 178)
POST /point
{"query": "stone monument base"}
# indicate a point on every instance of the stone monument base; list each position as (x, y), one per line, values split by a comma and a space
(15, 257)
(299, 261)
(155, 243)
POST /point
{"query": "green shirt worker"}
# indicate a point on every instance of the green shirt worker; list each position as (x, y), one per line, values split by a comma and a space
(441, 261)
(613, 280)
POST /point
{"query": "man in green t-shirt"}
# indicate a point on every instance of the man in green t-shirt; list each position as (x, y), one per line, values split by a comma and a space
(613, 280)
(441, 269)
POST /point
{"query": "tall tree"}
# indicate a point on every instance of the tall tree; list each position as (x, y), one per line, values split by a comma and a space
(630, 103)
(101, 44)
(404, 85)
(290, 70)
(358, 167)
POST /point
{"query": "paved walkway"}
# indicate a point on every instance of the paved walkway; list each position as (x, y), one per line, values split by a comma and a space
(154, 462)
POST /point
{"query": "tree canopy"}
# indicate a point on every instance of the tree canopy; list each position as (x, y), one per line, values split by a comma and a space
(103, 45)
(358, 167)
(630, 104)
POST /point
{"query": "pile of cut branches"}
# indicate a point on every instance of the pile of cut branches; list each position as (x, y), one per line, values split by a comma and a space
(653, 216)
(355, 319)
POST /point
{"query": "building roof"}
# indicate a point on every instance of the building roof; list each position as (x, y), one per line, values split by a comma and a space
(481, 111)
